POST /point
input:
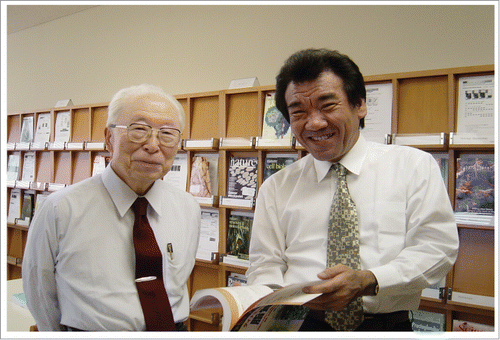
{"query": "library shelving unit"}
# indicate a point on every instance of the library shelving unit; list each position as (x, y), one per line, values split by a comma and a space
(424, 103)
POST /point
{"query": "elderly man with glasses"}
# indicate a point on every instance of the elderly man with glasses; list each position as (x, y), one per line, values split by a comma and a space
(85, 267)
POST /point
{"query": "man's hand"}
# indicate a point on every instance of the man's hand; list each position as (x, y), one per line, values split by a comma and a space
(341, 285)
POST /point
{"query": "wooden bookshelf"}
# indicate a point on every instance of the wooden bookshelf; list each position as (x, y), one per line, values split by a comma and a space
(424, 102)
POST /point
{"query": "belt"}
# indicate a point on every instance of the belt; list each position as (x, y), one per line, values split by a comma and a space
(180, 326)
(394, 317)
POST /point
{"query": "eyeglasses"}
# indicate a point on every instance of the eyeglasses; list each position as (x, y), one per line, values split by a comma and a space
(139, 133)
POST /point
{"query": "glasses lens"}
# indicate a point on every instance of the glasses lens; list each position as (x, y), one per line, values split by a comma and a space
(168, 137)
(138, 133)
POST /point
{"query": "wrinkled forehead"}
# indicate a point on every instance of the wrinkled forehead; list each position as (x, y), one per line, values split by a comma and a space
(152, 109)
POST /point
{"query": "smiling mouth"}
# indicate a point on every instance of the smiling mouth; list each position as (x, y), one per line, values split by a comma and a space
(321, 138)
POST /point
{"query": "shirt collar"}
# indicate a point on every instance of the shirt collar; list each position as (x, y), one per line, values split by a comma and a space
(123, 196)
(352, 161)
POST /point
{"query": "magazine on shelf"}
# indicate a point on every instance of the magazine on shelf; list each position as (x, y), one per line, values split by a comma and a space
(275, 162)
(13, 167)
(379, 112)
(14, 206)
(476, 108)
(27, 130)
(199, 183)
(242, 178)
(28, 174)
(177, 175)
(235, 279)
(42, 134)
(475, 188)
(256, 307)
(442, 160)
(275, 128)
(468, 326)
(27, 209)
(238, 235)
(423, 321)
(99, 165)
(63, 127)
(209, 234)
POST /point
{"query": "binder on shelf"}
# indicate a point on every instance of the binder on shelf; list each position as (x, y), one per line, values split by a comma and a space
(470, 139)
(418, 139)
(212, 144)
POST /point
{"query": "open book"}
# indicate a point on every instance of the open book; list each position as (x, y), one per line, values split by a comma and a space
(257, 307)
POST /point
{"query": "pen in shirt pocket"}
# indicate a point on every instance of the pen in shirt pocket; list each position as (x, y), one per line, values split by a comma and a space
(170, 250)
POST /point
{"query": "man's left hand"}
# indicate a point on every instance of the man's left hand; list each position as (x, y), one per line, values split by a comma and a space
(341, 285)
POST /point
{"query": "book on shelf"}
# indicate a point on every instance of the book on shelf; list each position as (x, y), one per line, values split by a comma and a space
(209, 234)
(28, 174)
(42, 133)
(275, 128)
(27, 209)
(199, 182)
(27, 130)
(239, 230)
(475, 189)
(442, 160)
(275, 162)
(242, 178)
(235, 279)
(13, 166)
(423, 321)
(177, 175)
(14, 206)
(63, 127)
(468, 326)
(256, 307)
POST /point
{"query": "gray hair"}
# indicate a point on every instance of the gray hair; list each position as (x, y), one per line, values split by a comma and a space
(116, 106)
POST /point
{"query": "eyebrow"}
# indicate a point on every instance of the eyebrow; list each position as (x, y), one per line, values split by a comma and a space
(322, 98)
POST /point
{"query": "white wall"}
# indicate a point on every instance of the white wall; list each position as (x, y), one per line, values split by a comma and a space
(90, 55)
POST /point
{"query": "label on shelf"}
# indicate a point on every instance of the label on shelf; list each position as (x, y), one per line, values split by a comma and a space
(57, 145)
(74, 146)
(470, 138)
(23, 146)
(419, 139)
(95, 146)
(38, 146)
(236, 202)
(263, 142)
(473, 299)
(55, 186)
(199, 143)
(228, 142)
(11, 146)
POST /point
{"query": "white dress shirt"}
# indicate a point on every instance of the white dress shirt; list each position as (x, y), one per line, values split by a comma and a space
(408, 234)
(79, 262)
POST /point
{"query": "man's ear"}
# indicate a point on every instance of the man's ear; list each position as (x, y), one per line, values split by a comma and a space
(361, 109)
(108, 139)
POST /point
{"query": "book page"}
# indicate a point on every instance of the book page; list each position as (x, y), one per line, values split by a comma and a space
(233, 300)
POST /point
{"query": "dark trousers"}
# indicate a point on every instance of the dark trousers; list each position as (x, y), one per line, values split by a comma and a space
(390, 322)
